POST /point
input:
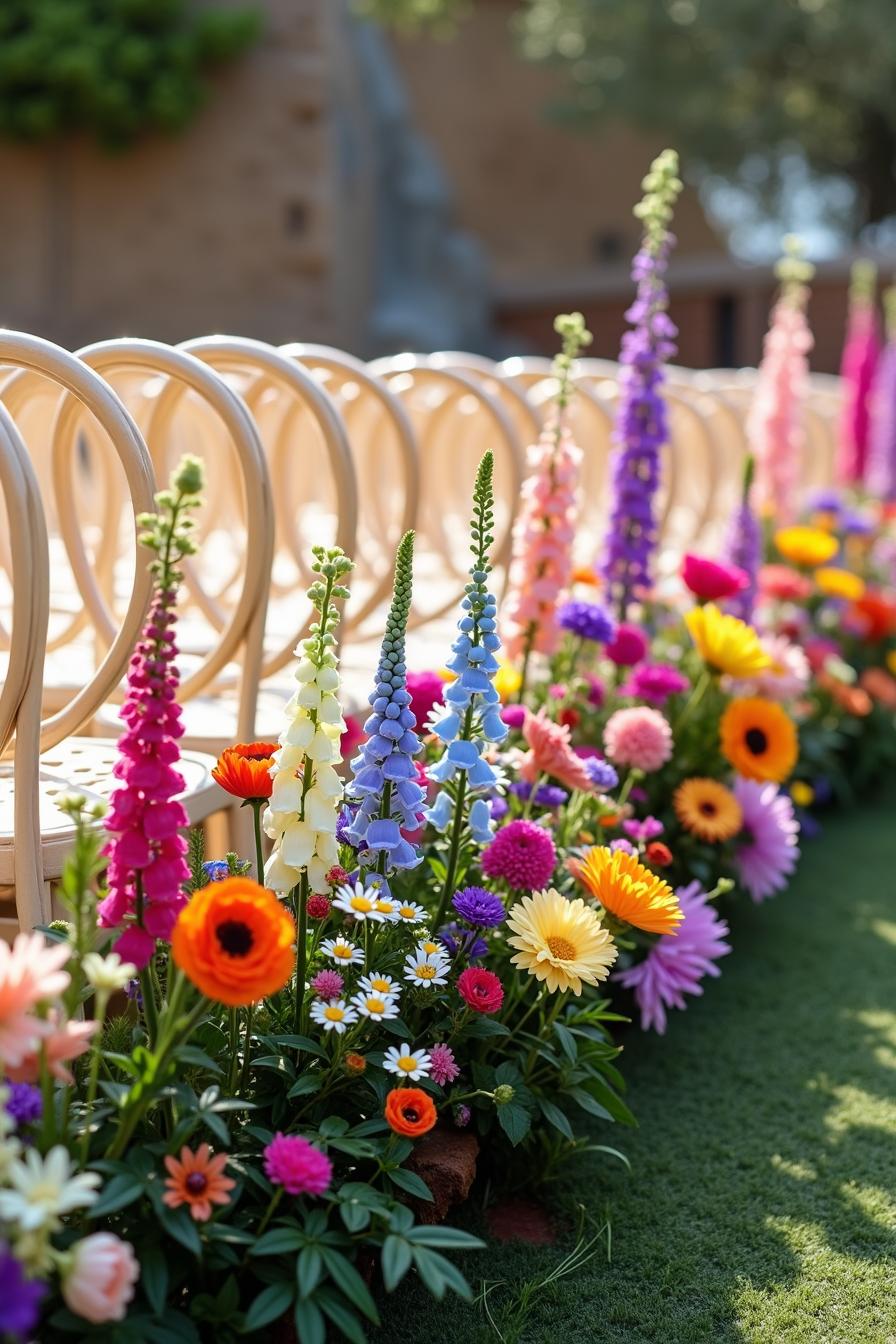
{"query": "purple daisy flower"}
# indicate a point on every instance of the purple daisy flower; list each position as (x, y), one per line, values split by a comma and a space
(767, 848)
(479, 906)
(675, 966)
(588, 620)
(601, 774)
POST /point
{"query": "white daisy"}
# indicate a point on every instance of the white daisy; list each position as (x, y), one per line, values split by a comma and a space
(377, 983)
(360, 903)
(342, 951)
(429, 947)
(407, 1063)
(43, 1188)
(387, 908)
(423, 968)
(334, 1015)
(410, 913)
(378, 1007)
(107, 973)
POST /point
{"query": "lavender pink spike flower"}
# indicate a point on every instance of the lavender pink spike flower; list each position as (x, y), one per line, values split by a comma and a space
(675, 966)
(641, 421)
(743, 548)
(861, 352)
(880, 476)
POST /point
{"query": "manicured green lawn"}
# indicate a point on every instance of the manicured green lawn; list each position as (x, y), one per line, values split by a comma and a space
(761, 1208)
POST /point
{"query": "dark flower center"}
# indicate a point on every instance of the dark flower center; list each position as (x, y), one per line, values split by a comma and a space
(756, 741)
(411, 1114)
(708, 809)
(235, 937)
(196, 1183)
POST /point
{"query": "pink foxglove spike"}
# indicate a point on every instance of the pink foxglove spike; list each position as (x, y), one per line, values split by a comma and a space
(880, 470)
(861, 354)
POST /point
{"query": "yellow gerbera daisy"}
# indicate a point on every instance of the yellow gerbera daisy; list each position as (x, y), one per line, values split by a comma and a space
(560, 941)
(707, 809)
(726, 643)
(807, 546)
(759, 739)
(628, 890)
(836, 582)
(507, 681)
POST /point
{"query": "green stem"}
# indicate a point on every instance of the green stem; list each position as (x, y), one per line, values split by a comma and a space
(301, 953)
(457, 828)
(257, 804)
(698, 693)
(234, 1049)
(247, 1045)
(93, 1079)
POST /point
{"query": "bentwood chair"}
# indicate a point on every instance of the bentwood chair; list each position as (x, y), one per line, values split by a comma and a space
(46, 757)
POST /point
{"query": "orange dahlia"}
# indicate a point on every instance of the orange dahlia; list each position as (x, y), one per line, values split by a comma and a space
(629, 890)
(759, 739)
(234, 942)
(410, 1112)
(707, 809)
(244, 770)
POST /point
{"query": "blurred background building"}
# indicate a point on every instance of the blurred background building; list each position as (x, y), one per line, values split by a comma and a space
(378, 193)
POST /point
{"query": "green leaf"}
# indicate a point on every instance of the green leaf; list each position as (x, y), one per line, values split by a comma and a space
(117, 1194)
(587, 1103)
(270, 1304)
(567, 1041)
(154, 1276)
(556, 1117)
(349, 1281)
(355, 1217)
(181, 1227)
(308, 1083)
(411, 1182)
(448, 1238)
(310, 1325)
(449, 1274)
(515, 1122)
(279, 1241)
(191, 1054)
(345, 1321)
(395, 1261)
(309, 1268)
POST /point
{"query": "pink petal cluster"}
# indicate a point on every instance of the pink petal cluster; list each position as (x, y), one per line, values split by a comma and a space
(426, 689)
(145, 819)
(787, 676)
(861, 353)
(30, 973)
(443, 1068)
(783, 584)
(775, 428)
(99, 1283)
(294, 1163)
(654, 683)
(543, 536)
(628, 646)
(767, 849)
(523, 854)
(327, 984)
(675, 966)
(638, 737)
(711, 580)
(60, 1042)
(551, 753)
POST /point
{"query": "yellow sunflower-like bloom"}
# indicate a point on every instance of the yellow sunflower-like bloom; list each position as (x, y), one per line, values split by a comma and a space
(806, 546)
(507, 681)
(759, 739)
(726, 643)
(707, 809)
(561, 942)
(836, 582)
(628, 890)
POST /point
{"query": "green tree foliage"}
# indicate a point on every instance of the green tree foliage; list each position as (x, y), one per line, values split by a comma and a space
(725, 80)
(113, 68)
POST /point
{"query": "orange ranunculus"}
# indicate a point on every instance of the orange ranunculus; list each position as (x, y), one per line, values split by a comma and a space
(410, 1111)
(245, 770)
(234, 941)
(877, 615)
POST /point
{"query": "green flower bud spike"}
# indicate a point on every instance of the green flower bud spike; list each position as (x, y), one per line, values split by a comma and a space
(662, 186)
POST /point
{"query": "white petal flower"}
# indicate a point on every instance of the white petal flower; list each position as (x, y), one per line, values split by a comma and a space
(407, 1063)
(107, 973)
(342, 951)
(377, 1007)
(297, 844)
(300, 733)
(410, 912)
(359, 902)
(377, 983)
(44, 1188)
(333, 1015)
(426, 969)
(319, 811)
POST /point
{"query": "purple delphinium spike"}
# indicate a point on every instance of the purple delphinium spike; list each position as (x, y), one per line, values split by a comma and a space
(743, 548)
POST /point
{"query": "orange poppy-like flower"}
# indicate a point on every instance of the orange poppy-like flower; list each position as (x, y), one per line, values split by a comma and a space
(234, 941)
(197, 1180)
(877, 615)
(759, 738)
(245, 770)
(410, 1112)
(629, 890)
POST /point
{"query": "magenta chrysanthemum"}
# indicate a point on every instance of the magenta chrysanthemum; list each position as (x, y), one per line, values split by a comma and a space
(638, 737)
(442, 1066)
(327, 985)
(654, 682)
(523, 854)
(294, 1163)
(675, 966)
(767, 849)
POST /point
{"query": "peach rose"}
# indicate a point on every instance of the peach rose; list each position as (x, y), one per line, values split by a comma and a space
(100, 1282)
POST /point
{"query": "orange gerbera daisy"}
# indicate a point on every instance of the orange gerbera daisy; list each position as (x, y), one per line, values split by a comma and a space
(628, 890)
(197, 1180)
(244, 770)
(410, 1112)
(234, 941)
(759, 739)
(707, 809)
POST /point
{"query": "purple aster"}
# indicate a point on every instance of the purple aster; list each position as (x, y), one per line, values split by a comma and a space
(546, 795)
(459, 941)
(625, 845)
(24, 1104)
(523, 854)
(601, 774)
(344, 825)
(654, 683)
(645, 830)
(767, 847)
(327, 984)
(674, 966)
(480, 907)
(20, 1298)
(498, 807)
(442, 1066)
(588, 620)
(216, 870)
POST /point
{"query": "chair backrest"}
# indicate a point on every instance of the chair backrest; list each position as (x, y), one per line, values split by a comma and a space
(296, 418)
(189, 405)
(512, 397)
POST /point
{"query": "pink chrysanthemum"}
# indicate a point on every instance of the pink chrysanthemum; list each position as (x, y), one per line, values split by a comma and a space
(638, 737)
(442, 1066)
(675, 966)
(654, 683)
(523, 854)
(628, 646)
(294, 1163)
(327, 985)
(30, 973)
(767, 849)
(426, 689)
(551, 753)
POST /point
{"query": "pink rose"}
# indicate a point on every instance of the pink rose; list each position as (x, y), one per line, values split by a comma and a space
(100, 1282)
(709, 580)
(481, 990)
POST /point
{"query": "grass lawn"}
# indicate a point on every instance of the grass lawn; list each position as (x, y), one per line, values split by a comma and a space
(761, 1207)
